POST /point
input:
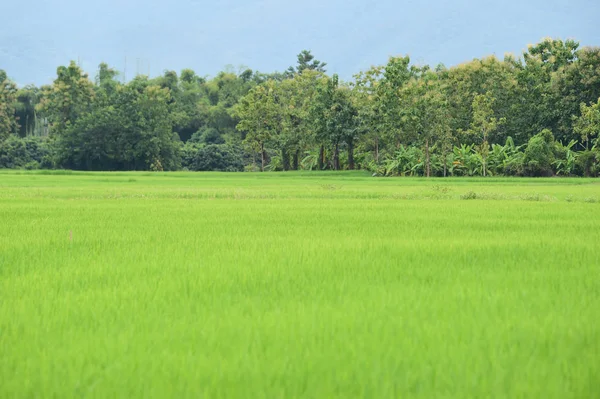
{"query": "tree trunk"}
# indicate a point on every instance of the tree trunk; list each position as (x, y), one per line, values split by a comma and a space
(427, 156)
(587, 143)
(350, 155)
(321, 158)
(295, 160)
(336, 157)
(285, 160)
(484, 152)
(262, 157)
(445, 160)
(377, 150)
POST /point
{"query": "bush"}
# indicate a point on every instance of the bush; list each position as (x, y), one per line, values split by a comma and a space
(539, 155)
(588, 163)
(213, 157)
(27, 153)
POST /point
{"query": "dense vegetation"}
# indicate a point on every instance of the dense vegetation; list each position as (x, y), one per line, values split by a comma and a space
(535, 115)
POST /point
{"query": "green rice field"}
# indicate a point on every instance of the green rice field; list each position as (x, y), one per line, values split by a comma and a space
(298, 285)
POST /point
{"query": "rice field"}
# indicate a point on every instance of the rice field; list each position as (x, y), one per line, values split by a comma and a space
(285, 285)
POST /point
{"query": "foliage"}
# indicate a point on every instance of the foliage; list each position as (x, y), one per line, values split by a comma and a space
(588, 163)
(8, 95)
(539, 155)
(213, 157)
(132, 132)
(306, 61)
(587, 125)
(69, 98)
(477, 118)
(26, 153)
(207, 135)
(566, 158)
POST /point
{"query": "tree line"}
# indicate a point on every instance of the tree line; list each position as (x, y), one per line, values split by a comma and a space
(534, 115)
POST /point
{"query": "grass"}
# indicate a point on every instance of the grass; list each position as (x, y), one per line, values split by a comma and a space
(298, 285)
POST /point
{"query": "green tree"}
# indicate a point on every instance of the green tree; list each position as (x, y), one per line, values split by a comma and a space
(425, 115)
(106, 80)
(70, 97)
(575, 83)
(483, 124)
(539, 154)
(334, 119)
(260, 118)
(396, 75)
(31, 120)
(368, 103)
(587, 125)
(295, 98)
(306, 61)
(8, 97)
(131, 132)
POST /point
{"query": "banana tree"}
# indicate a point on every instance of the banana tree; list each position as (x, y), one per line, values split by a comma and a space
(565, 165)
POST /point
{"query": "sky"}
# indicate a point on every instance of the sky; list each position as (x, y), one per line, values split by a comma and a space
(141, 36)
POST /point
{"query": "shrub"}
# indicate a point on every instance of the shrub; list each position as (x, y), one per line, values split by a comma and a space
(539, 155)
(213, 157)
(588, 163)
(29, 153)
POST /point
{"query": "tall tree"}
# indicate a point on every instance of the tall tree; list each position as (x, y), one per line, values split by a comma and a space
(396, 75)
(259, 117)
(8, 96)
(368, 102)
(484, 123)
(587, 125)
(70, 97)
(31, 121)
(425, 115)
(334, 119)
(295, 99)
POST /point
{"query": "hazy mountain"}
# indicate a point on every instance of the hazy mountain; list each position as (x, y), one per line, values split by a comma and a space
(38, 35)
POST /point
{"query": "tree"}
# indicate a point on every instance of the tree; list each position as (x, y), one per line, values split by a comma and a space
(425, 115)
(488, 75)
(587, 125)
(31, 121)
(133, 131)
(294, 99)
(368, 103)
(575, 83)
(334, 119)
(484, 123)
(70, 97)
(259, 118)
(8, 96)
(396, 75)
(106, 80)
(306, 61)
(539, 102)
(539, 154)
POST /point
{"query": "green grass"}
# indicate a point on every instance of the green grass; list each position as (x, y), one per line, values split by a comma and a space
(298, 285)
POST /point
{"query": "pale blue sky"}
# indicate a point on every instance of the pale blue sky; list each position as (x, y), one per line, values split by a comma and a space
(265, 35)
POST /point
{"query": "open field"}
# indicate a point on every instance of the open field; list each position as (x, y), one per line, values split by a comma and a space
(298, 285)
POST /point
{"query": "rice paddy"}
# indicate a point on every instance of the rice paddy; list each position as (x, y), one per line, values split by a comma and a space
(298, 285)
